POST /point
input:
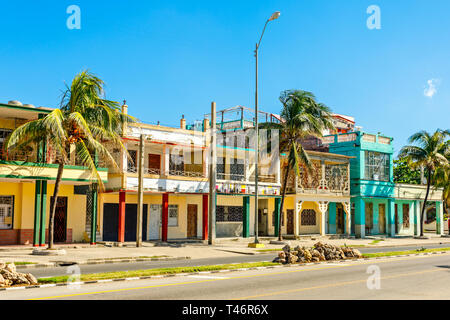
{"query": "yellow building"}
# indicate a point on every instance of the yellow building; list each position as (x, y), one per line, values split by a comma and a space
(27, 184)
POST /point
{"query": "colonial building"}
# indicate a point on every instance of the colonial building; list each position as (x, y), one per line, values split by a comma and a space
(27, 179)
(318, 201)
(379, 206)
(175, 185)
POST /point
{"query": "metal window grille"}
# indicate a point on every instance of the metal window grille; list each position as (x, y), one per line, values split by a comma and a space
(377, 166)
(6, 212)
(132, 164)
(173, 215)
(308, 217)
(229, 213)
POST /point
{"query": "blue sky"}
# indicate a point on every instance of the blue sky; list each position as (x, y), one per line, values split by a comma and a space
(168, 58)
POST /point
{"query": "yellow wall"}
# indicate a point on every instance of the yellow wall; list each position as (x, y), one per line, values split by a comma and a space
(290, 204)
(24, 196)
(310, 229)
(76, 210)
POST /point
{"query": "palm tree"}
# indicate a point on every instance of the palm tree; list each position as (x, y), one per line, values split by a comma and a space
(430, 152)
(301, 117)
(84, 121)
(442, 179)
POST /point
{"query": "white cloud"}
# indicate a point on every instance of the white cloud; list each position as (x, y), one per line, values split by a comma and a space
(431, 88)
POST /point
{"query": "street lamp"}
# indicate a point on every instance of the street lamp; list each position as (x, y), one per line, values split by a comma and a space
(274, 16)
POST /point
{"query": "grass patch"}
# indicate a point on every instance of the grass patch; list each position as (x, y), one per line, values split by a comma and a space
(154, 272)
(398, 253)
(21, 263)
(269, 250)
(376, 241)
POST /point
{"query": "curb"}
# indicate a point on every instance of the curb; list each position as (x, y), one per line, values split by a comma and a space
(65, 284)
(58, 264)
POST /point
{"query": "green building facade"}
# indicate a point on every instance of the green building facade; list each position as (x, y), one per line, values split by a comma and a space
(378, 205)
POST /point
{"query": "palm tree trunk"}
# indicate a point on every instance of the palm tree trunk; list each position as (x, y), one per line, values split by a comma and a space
(53, 205)
(425, 202)
(283, 195)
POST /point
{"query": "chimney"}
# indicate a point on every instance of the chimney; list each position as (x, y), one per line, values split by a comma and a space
(205, 124)
(183, 122)
(125, 124)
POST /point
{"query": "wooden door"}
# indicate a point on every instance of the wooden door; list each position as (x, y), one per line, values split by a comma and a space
(340, 220)
(154, 163)
(382, 218)
(192, 221)
(290, 221)
(60, 226)
(396, 218)
(369, 217)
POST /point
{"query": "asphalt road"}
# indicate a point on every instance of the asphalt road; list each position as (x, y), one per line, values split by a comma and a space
(112, 267)
(416, 277)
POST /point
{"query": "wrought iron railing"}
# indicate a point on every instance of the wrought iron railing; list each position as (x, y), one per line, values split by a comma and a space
(191, 174)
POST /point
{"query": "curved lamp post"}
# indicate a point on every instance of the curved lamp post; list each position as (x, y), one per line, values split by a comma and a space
(274, 16)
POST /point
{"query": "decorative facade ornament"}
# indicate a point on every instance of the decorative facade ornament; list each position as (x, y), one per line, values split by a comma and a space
(323, 178)
(299, 206)
(323, 206)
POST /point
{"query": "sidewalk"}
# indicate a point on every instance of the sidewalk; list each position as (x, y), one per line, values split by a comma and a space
(224, 247)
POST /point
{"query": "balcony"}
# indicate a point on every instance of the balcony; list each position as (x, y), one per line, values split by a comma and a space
(322, 179)
(24, 165)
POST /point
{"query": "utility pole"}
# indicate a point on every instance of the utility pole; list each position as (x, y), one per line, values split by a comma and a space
(212, 177)
(140, 192)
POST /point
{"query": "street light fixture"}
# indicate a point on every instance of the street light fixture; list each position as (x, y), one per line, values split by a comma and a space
(274, 16)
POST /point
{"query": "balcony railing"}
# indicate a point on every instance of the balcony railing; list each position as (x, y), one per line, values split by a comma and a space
(154, 171)
(18, 156)
(190, 174)
(242, 177)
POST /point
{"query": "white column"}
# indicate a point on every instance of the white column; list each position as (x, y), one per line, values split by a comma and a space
(441, 217)
(297, 211)
(323, 207)
(417, 210)
(165, 162)
(348, 220)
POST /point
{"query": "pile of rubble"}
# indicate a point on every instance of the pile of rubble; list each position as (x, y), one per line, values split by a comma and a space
(10, 277)
(320, 252)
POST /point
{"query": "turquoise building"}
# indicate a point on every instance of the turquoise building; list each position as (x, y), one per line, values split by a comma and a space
(378, 205)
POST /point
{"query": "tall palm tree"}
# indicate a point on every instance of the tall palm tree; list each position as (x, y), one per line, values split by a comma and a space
(301, 116)
(430, 151)
(83, 122)
(442, 179)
